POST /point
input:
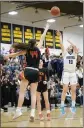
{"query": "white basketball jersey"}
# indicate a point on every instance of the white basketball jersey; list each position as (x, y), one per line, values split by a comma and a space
(70, 62)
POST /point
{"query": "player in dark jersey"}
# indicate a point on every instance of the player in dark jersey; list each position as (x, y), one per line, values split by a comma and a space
(31, 72)
(42, 88)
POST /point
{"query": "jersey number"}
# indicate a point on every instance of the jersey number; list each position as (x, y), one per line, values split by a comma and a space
(34, 53)
(70, 61)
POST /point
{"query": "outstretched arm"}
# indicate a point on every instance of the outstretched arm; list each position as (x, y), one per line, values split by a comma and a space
(12, 55)
(74, 47)
(40, 43)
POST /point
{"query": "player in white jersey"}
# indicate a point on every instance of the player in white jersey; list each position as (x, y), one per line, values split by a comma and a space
(69, 74)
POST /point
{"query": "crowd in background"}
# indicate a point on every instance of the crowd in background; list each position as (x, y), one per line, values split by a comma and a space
(10, 80)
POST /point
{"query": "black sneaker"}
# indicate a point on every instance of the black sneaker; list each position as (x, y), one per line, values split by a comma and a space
(31, 119)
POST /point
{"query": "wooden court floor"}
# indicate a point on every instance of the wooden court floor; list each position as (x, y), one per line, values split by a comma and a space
(69, 120)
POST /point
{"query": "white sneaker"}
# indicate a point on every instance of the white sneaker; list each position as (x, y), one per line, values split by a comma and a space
(1, 109)
(17, 114)
(73, 110)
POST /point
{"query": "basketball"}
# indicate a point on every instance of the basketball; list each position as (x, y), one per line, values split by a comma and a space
(55, 11)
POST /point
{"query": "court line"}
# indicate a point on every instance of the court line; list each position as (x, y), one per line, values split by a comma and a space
(12, 121)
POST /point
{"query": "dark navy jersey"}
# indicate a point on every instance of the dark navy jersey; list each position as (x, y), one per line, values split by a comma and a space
(57, 65)
(43, 74)
(33, 57)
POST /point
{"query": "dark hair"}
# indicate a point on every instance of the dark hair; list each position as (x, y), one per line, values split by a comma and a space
(32, 43)
(23, 46)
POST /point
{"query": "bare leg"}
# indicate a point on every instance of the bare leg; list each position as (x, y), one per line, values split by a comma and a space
(45, 94)
(65, 89)
(39, 106)
(33, 98)
(73, 94)
(23, 86)
(38, 102)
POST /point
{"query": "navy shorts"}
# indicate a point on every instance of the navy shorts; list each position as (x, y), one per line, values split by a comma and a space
(31, 74)
(41, 87)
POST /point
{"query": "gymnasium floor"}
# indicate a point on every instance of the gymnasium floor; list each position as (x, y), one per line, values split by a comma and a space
(57, 120)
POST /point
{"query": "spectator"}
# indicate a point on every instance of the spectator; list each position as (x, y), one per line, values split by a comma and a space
(79, 72)
(79, 95)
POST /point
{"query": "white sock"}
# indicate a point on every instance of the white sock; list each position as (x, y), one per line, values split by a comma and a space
(6, 106)
(48, 111)
(62, 103)
(73, 103)
(18, 109)
(33, 112)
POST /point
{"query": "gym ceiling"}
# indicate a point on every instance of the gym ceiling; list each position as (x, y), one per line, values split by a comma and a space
(71, 13)
(69, 7)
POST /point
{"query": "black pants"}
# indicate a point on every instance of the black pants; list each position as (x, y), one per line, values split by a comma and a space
(13, 97)
(59, 75)
(79, 100)
(80, 81)
(5, 95)
(42, 102)
(27, 102)
(53, 100)
(49, 91)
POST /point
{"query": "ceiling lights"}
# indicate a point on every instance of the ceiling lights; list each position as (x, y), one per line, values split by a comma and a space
(13, 13)
(81, 26)
(51, 20)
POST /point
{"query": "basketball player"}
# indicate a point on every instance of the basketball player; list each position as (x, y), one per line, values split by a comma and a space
(69, 73)
(42, 88)
(31, 72)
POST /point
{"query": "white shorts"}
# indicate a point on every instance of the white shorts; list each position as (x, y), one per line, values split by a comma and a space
(69, 78)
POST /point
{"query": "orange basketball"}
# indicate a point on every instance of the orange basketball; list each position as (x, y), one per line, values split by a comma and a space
(55, 11)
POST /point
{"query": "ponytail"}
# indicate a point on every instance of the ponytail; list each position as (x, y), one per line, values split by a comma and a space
(23, 46)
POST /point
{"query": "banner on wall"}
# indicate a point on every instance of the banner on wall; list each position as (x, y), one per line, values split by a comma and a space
(5, 33)
(17, 33)
(57, 39)
(38, 33)
(28, 33)
(49, 42)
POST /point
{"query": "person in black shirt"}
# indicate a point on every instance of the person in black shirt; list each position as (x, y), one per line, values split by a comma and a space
(42, 88)
(31, 72)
